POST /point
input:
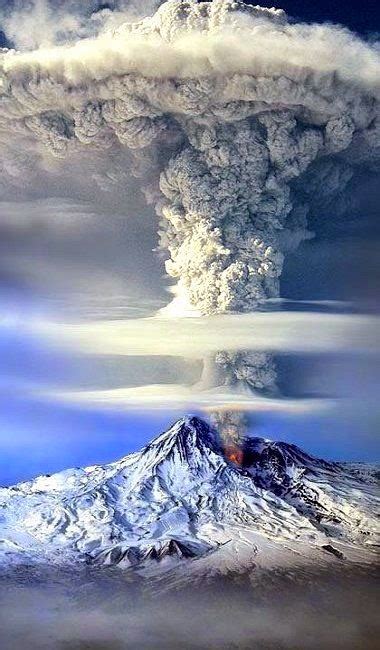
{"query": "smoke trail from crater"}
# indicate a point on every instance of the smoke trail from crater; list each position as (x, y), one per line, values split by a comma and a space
(238, 121)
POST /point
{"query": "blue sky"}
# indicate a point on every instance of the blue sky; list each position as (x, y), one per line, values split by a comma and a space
(36, 438)
(107, 267)
(359, 16)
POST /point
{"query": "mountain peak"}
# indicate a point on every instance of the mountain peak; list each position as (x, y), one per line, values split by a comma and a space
(193, 422)
(189, 431)
(183, 496)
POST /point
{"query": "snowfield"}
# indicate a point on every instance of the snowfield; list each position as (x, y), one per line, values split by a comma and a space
(180, 501)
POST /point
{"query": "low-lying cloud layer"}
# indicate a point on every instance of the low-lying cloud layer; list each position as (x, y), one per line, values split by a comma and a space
(293, 609)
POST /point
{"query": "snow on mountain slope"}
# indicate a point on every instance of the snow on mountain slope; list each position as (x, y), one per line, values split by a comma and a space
(335, 497)
(180, 498)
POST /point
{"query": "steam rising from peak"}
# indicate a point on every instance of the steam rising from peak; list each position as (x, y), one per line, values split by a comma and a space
(238, 121)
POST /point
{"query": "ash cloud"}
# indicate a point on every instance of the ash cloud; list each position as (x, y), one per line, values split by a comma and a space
(239, 122)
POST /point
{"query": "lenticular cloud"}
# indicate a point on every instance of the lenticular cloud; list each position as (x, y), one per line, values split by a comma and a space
(238, 122)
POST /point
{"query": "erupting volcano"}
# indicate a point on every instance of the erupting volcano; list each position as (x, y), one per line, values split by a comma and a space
(184, 496)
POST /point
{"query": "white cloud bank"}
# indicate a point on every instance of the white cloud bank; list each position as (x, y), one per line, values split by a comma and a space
(221, 399)
(188, 340)
(298, 332)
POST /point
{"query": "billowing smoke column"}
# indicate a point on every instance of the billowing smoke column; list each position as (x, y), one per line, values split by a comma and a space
(238, 120)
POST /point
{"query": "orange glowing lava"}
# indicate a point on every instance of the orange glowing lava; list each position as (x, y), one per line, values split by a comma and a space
(234, 454)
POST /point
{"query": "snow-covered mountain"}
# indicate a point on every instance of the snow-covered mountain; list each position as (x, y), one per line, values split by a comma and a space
(180, 498)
